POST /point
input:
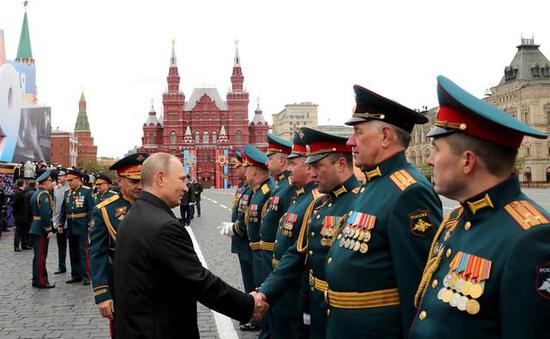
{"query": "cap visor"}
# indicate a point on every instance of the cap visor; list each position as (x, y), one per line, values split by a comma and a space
(314, 158)
(354, 121)
(294, 156)
(439, 131)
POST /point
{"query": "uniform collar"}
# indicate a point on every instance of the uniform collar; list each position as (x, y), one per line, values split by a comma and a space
(386, 167)
(494, 198)
(347, 186)
(258, 185)
(128, 198)
(305, 189)
(283, 176)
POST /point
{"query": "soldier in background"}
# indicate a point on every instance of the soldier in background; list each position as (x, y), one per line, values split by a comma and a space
(103, 188)
(61, 234)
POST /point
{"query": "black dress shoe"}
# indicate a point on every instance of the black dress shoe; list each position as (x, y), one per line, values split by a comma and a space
(47, 286)
(26, 247)
(60, 271)
(250, 326)
(86, 282)
(17, 249)
(73, 280)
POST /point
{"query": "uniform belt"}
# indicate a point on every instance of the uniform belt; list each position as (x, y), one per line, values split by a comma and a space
(275, 263)
(36, 218)
(77, 215)
(255, 246)
(317, 283)
(380, 298)
(267, 246)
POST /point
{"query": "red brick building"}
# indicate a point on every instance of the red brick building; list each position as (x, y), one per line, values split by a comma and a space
(64, 148)
(205, 129)
(86, 148)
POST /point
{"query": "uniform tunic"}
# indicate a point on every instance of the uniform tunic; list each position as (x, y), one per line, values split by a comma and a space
(42, 211)
(239, 240)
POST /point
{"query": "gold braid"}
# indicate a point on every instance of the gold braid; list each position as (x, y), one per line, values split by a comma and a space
(302, 246)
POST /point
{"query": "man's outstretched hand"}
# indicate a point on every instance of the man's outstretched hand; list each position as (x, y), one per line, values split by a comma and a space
(260, 306)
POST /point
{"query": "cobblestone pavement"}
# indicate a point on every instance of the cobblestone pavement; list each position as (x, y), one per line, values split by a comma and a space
(68, 311)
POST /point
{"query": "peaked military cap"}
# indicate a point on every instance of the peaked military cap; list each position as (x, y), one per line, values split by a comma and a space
(102, 179)
(61, 171)
(238, 158)
(277, 144)
(461, 112)
(254, 157)
(373, 106)
(320, 144)
(130, 166)
(74, 173)
(44, 176)
(298, 146)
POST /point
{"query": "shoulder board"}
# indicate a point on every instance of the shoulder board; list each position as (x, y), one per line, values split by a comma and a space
(265, 189)
(402, 179)
(107, 201)
(86, 187)
(356, 190)
(114, 192)
(526, 214)
(316, 194)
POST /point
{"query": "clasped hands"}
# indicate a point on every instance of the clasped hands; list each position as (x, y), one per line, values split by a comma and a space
(260, 305)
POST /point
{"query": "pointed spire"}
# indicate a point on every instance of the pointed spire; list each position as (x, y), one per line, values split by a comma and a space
(258, 109)
(173, 60)
(222, 131)
(152, 110)
(24, 51)
(82, 98)
(82, 124)
(188, 131)
(237, 60)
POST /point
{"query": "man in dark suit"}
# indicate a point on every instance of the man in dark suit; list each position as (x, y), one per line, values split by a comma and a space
(158, 276)
(20, 206)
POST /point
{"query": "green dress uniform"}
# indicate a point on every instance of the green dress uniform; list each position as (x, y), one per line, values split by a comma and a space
(107, 216)
(42, 206)
(308, 253)
(376, 260)
(488, 274)
(239, 240)
(77, 210)
(99, 197)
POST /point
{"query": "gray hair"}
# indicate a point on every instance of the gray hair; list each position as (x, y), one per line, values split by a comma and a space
(402, 136)
(156, 162)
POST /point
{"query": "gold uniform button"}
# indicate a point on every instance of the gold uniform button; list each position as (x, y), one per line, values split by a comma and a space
(318, 216)
(448, 254)
(339, 235)
(467, 225)
(328, 312)
(434, 283)
(422, 315)
(311, 271)
(312, 289)
(330, 205)
(275, 241)
(329, 260)
(310, 252)
(312, 234)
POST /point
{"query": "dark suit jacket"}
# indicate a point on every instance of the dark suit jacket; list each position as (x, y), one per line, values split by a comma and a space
(20, 206)
(159, 278)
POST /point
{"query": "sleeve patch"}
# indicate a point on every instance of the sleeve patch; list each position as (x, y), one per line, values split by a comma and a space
(402, 179)
(525, 214)
(542, 287)
(421, 223)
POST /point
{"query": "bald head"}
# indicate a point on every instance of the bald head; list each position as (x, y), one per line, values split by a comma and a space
(163, 175)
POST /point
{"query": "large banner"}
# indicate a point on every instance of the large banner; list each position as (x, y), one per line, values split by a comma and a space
(34, 138)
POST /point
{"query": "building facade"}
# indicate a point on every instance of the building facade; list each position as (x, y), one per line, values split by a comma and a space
(294, 116)
(340, 130)
(205, 130)
(87, 151)
(64, 148)
(524, 93)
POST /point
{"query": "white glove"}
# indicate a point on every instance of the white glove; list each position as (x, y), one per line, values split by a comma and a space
(226, 229)
(307, 319)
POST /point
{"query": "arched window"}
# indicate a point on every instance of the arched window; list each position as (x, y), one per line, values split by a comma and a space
(214, 137)
(173, 137)
(197, 137)
(527, 174)
(239, 137)
(205, 138)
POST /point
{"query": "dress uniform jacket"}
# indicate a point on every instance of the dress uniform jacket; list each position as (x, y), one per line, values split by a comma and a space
(103, 231)
(308, 254)
(488, 275)
(77, 209)
(159, 278)
(99, 197)
(239, 240)
(253, 219)
(275, 207)
(376, 261)
(42, 207)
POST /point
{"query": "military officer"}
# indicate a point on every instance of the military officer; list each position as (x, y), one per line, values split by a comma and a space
(331, 166)
(257, 177)
(77, 209)
(42, 206)
(489, 265)
(103, 187)
(385, 238)
(278, 150)
(107, 216)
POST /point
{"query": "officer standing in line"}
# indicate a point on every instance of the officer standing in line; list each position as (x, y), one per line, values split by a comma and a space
(331, 166)
(103, 187)
(107, 216)
(42, 206)
(278, 150)
(257, 177)
(489, 265)
(384, 241)
(77, 210)
(61, 234)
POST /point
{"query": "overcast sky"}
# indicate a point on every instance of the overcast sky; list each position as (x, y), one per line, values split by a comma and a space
(291, 51)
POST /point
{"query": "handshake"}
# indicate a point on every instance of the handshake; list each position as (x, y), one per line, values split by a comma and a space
(260, 305)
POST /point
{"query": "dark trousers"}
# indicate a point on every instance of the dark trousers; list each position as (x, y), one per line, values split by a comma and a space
(185, 211)
(19, 234)
(39, 272)
(198, 205)
(247, 274)
(78, 250)
(62, 249)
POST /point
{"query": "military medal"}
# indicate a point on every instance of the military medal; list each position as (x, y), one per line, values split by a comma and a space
(351, 244)
(363, 248)
(357, 246)
(476, 291)
(461, 305)
(446, 297)
(341, 242)
(454, 299)
(472, 307)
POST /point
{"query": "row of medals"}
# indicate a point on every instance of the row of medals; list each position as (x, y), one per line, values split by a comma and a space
(327, 233)
(455, 292)
(287, 229)
(79, 201)
(355, 239)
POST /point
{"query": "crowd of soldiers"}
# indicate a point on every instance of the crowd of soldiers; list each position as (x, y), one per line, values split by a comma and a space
(339, 259)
